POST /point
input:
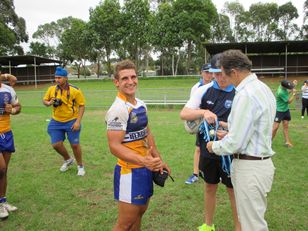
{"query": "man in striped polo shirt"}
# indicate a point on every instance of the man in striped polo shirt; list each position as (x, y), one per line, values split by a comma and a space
(249, 139)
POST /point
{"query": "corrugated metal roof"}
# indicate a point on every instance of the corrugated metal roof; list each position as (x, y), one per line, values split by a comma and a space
(260, 47)
(25, 59)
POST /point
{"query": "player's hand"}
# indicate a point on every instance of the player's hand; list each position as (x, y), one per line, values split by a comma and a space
(12, 80)
(165, 166)
(76, 126)
(210, 117)
(221, 134)
(223, 124)
(295, 82)
(52, 100)
(152, 163)
(8, 108)
(209, 146)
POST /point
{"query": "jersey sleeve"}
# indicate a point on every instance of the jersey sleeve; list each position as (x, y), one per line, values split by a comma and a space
(47, 95)
(116, 118)
(195, 100)
(80, 98)
(14, 99)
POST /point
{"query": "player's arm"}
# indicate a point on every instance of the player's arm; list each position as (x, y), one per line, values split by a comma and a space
(47, 100)
(13, 109)
(81, 109)
(76, 125)
(116, 147)
(11, 78)
(154, 151)
(293, 94)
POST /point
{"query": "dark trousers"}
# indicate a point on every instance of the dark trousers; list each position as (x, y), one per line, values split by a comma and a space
(304, 106)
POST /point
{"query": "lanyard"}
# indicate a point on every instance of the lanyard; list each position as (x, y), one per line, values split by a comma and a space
(210, 134)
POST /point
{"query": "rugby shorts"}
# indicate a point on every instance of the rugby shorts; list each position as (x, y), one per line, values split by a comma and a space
(7, 142)
(132, 185)
(211, 171)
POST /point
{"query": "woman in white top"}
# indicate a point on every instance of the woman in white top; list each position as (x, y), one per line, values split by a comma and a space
(305, 98)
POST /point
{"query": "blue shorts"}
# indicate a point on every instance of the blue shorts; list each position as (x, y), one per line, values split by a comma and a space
(133, 186)
(57, 131)
(7, 142)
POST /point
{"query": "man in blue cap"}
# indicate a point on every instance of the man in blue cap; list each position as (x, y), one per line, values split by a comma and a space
(68, 106)
(212, 102)
(206, 77)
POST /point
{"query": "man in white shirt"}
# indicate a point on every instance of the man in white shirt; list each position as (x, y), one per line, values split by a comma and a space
(249, 139)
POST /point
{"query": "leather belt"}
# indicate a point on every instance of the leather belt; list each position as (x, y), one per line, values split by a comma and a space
(247, 157)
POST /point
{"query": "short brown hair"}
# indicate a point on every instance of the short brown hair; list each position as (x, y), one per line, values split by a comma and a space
(234, 59)
(123, 65)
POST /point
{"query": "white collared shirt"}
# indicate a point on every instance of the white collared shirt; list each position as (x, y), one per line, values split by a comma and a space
(250, 121)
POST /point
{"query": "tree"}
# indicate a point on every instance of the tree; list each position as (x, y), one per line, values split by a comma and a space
(234, 10)
(305, 23)
(165, 36)
(39, 49)
(221, 30)
(194, 19)
(73, 46)
(105, 25)
(287, 28)
(12, 29)
(50, 33)
(136, 29)
(264, 20)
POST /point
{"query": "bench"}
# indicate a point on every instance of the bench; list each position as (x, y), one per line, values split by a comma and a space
(268, 70)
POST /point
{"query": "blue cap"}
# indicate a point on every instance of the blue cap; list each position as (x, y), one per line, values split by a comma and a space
(61, 72)
(206, 67)
(215, 63)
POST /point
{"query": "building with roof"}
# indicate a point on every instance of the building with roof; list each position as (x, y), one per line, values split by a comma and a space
(270, 58)
(30, 69)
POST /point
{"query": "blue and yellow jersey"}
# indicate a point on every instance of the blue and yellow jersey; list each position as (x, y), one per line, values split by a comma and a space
(71, 98)
(124, 116)
(7, 96)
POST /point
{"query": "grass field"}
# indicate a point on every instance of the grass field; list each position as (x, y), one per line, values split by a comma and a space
(50, 200)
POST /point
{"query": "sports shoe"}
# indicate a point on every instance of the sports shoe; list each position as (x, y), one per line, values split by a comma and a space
(66, 164)
(81, 171)
(289, 145)
(192, 179)
(9, 207)
(205, 227)
(3, 212)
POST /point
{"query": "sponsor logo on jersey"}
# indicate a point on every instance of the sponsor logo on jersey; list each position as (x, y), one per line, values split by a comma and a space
(133, 118)
(115, 124)
(139, 197)
(136, 135)
(228, 104)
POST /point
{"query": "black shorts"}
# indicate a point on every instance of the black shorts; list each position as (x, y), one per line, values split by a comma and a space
(197, 140)
(280, 116)
(211, 171)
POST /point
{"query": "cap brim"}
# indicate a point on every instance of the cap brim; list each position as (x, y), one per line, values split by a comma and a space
(214, 70)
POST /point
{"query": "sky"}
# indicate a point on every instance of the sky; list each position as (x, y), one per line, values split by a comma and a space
(45, 11)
